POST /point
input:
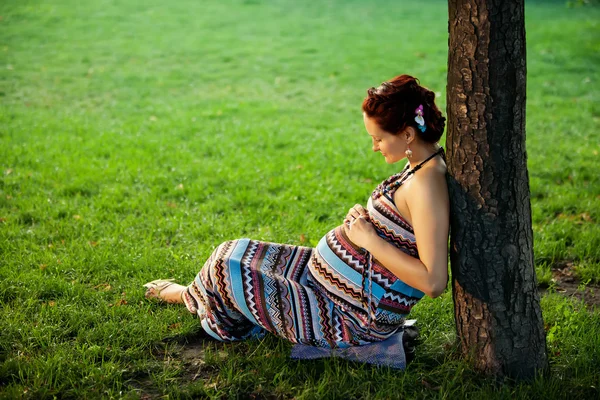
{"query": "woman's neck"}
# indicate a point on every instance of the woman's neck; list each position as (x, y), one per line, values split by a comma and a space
(421, 153)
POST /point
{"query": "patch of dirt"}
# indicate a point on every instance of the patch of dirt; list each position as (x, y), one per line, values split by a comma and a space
(566, 283)
(194, 356)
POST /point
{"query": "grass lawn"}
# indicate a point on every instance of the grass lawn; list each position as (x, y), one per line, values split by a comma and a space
(136, 136)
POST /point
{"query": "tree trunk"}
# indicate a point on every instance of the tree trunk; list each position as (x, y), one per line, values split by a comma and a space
(497, 306)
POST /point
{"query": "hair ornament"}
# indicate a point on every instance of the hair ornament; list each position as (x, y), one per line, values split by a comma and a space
(419, 118)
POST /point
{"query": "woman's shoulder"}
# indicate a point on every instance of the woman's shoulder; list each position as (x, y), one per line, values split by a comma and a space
(430, 178)
(433, 170)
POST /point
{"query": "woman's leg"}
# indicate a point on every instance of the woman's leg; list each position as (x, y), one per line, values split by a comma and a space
(211, 295)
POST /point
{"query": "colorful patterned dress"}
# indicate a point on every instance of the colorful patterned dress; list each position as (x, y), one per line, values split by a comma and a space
(332, 296)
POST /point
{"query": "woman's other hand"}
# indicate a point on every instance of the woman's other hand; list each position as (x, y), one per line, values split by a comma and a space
(358, 228)
(356, 212)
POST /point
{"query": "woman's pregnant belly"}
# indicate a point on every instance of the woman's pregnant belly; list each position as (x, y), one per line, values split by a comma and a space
(337, 267)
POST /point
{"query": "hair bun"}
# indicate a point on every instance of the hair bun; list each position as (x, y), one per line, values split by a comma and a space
(430, 96)
(393, 106)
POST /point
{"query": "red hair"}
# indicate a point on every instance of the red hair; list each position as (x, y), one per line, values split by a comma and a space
(392, 105)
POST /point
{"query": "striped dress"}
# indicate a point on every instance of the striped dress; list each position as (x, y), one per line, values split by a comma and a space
(333, 296)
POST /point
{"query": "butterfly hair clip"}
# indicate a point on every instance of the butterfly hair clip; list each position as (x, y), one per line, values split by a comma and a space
(419, 118)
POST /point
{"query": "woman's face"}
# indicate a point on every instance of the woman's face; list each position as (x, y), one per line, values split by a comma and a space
(391, 147)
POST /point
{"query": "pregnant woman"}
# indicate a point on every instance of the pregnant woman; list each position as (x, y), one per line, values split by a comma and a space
(364, 276)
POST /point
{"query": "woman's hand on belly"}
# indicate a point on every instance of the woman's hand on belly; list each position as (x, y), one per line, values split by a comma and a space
(356, 212)
(358, 227)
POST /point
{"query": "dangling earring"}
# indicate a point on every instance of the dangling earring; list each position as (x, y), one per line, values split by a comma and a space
(408, 151)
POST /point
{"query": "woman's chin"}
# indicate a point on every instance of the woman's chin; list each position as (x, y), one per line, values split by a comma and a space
(390, 160)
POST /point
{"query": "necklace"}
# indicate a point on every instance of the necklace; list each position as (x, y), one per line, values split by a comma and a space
(392, 183)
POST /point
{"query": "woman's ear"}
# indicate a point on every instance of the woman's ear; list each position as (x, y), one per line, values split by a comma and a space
(409, 134)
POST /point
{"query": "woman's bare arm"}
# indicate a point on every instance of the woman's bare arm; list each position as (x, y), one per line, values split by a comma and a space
(429, 209)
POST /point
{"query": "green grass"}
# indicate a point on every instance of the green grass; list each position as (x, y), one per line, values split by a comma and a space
(136, 136)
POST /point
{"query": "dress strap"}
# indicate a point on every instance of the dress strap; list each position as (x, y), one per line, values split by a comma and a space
(419, 165)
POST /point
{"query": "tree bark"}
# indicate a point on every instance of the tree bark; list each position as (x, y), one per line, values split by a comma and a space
(497, 306)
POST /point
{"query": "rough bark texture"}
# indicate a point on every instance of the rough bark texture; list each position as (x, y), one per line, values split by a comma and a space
(498, 315)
